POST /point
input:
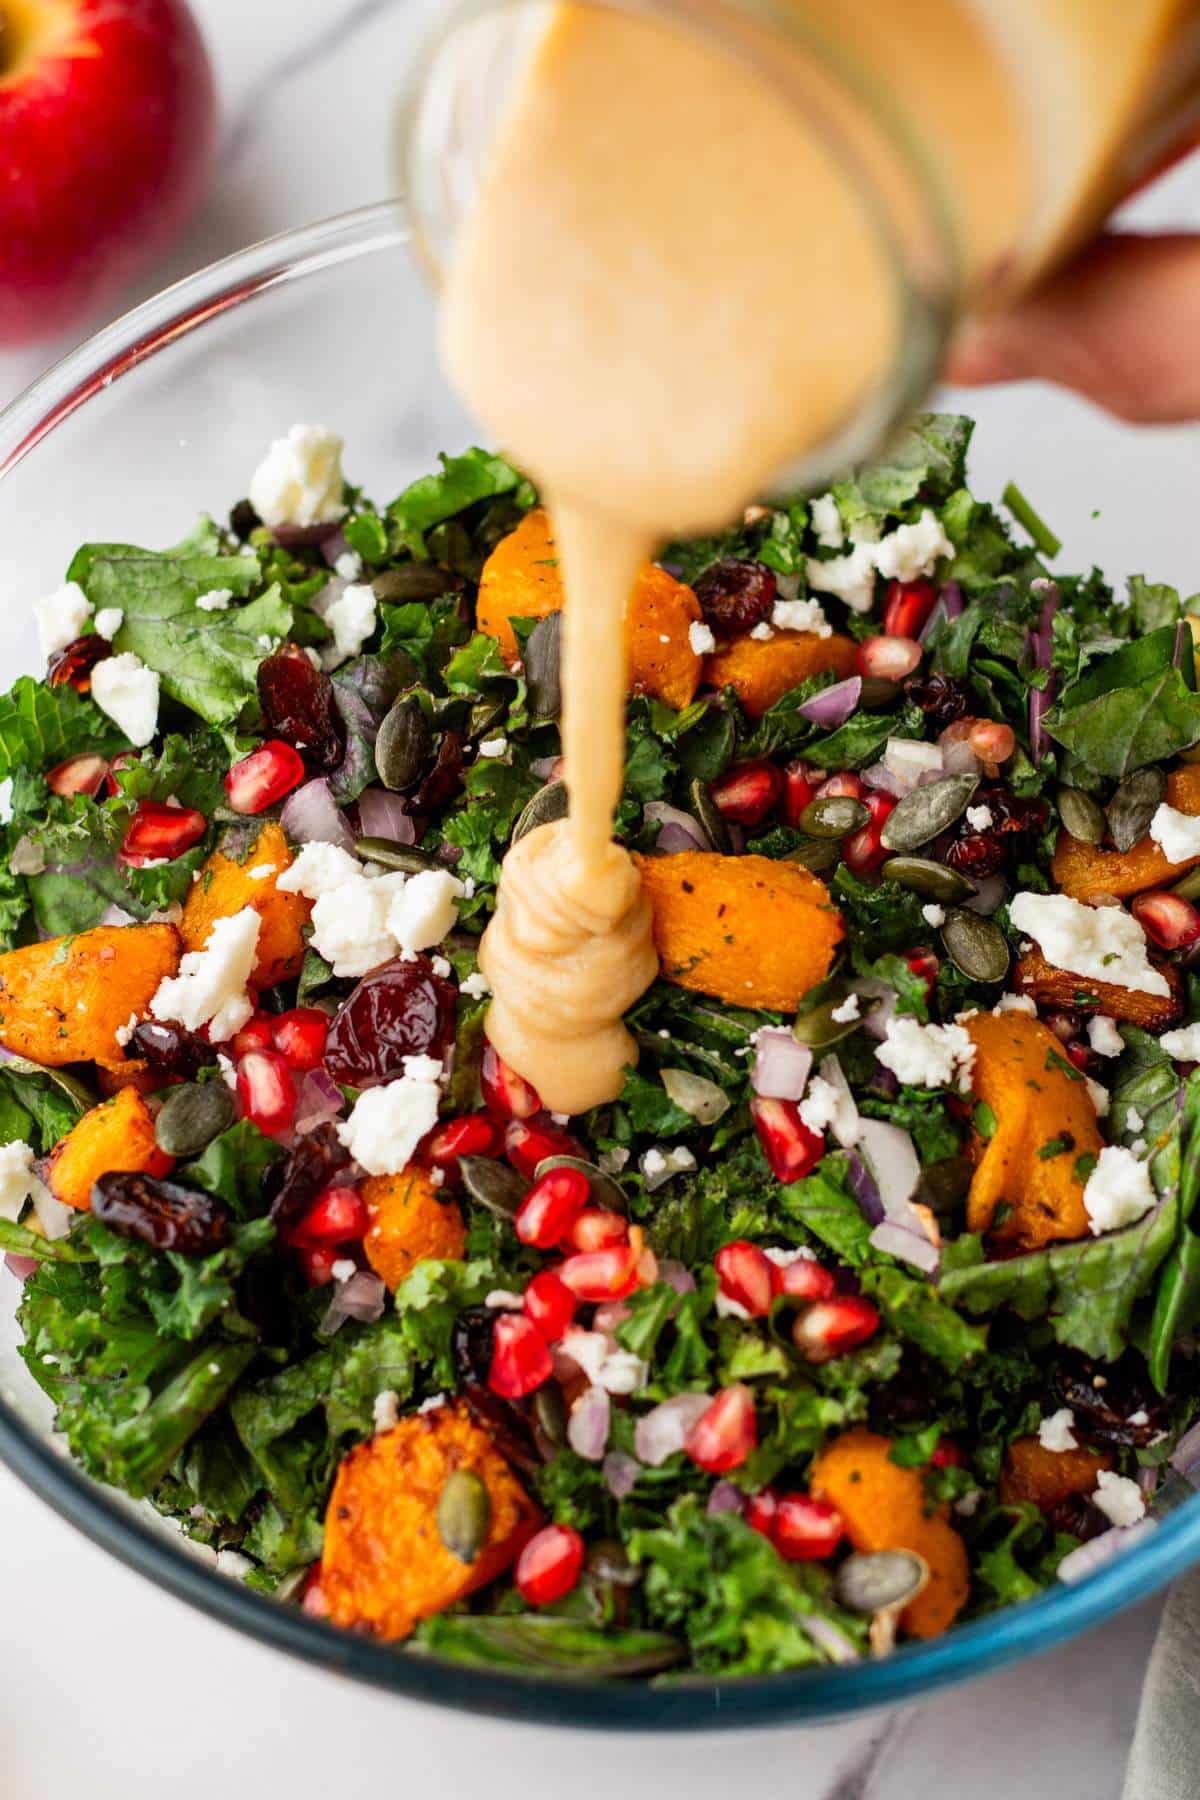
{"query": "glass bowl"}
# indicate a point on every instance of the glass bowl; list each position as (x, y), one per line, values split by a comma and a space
(167, 411)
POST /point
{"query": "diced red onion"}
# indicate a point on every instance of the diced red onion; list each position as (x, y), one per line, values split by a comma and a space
(1041, 643)
(695, 1095)
(680, 831)
(992, 892)
(305, 537)
(21, 1266)
(1040, 702)
(547, 768)
(912, 761)
(906, 1246)
(726, 1498)
(587, 1427)
(781, 1065)
(54, 1218)
(889, 1151)
(1185, 1457)
(362, 1297)
(620, 1473)
(318, 1101)
(311, 816)
(952, 599)
(828, 1637)
(958, 758)
(883, 780)
(877, 1019)
(662, 1431)
(384, 815)
(1147, 1480)
(676, 1276)
(610, 1315)
(864, 1189)
(847, 1126)
(335, 546)
(833, 705)
(1077, 1565)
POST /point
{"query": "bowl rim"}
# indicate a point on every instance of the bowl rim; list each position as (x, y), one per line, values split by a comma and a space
(793, 1697)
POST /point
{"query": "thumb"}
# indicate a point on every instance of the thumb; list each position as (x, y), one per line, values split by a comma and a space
(1120, 325)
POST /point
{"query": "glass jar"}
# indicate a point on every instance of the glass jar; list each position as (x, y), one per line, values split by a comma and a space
(974, 143)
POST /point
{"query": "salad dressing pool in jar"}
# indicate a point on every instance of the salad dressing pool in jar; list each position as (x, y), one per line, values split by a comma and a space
(687, 249)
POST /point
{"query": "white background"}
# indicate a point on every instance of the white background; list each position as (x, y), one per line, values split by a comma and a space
(110, 1689)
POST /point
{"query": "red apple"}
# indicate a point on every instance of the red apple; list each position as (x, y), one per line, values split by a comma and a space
(107, 127)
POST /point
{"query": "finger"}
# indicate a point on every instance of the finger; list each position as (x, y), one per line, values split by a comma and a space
(1121, 326)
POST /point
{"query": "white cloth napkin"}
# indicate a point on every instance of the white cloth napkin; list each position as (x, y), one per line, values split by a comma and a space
(1165, 1761)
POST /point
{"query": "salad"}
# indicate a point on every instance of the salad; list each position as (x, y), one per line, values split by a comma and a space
(868, 1307)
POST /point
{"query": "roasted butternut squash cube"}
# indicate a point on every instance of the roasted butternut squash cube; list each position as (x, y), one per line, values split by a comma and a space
(1085, 870)
(1045, 1477)
(115, 1137)
(65, 1000)
(762, 670)
(1052, 987)
(225, 887)
(411, 1221)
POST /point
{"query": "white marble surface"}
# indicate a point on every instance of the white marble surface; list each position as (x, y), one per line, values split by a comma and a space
(113, 1690)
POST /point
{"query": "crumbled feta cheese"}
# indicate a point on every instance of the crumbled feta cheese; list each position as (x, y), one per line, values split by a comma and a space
(980, 818)
(350, 923)
(1176, 834)
(61, 617)
(232, 1564)
(613, 1161)
(348, 565)
(127, 692)
(1104, 1037)
(299, 481)
(1118, 1190)
(801, 615)
(826, 1108)
(596, 1354)
(319, 869)
(475, 986)
(1105, 943)
(903, 555)
(210, 988)
(931, 1056)
(441, 965)
(1133, 1119)
(260, 872)
(108, 621)
(763, 632)
(1019, 1003)
(53, 1217)
(123, 1033)
(18, 1183)
(913, 550)
(388, 1122)
(933, 914)
(1119, 1498)
(1055, 1432)
(351, 619)
(701, 639)
(493, 746)
(504, 1300)
(850, 579)
(1183, 1045)
(827, 522)
(850, 1008)
(343, 1269)
(424, 910)
(1100, 1097)
(1140, 1417)
(385, 1410)
(216, 600)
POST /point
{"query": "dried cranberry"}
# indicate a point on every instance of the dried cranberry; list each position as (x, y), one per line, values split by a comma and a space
(160, 1213)
(1078, 1517)
(293, 1183)
(171, 1050)
(441, 784)
(1015, 823)
(1103, 1398)
(73, 666)
(243, 520)
(941, 698)
(735, 595)
(400, 1009)
(472, 1344)
(299, 707)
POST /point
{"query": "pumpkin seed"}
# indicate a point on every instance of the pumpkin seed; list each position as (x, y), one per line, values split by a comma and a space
(711, 822)
(1081, 816)
(549, 804)
(695, 1095)
(878, 694)
(550, 1411)
(975, 945)
(543, 658)
(464, 1512)
(414, 581)
(943, 1185)
(404, 744)
(494, 1185)
(486, 715)
(605, 1191)
(390, 855)
(192, 1116)
(874, 1581)
(817, 854)
(1134, 805)
(931, 880)
(921, 815)
(834, 816)
(1189, 887)
(819, 1029)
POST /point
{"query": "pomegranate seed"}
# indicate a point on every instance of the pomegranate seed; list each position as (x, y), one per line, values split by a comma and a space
(550, 1304)
(907, 607)
(1168, 920)
(746, 1276)
(318, 1265)
(256, 1034)
(888, 658)
(991, 741)
(830, 1327)
(597, 1229)
(799, 787)
(745, 796)
(844, 783)
(338, 1215)
(312, 1595)
(806, 1530)
(158, 833)
(548, 1567)
(475, 1134)
(299, 1036)
(600, 1275)
(805, 1279)
(506, 1094)
(520, 1357)
(925, 965)
(262, 779)
(760, 1511)
(1079, 1056)
(863, 850)
(78, 775)
(947, 1455)
(122, 760)
(529, 1143)
(551, 1206)
(791, 1149)
(265, 1090)
(723, 1437)
(72, 666)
